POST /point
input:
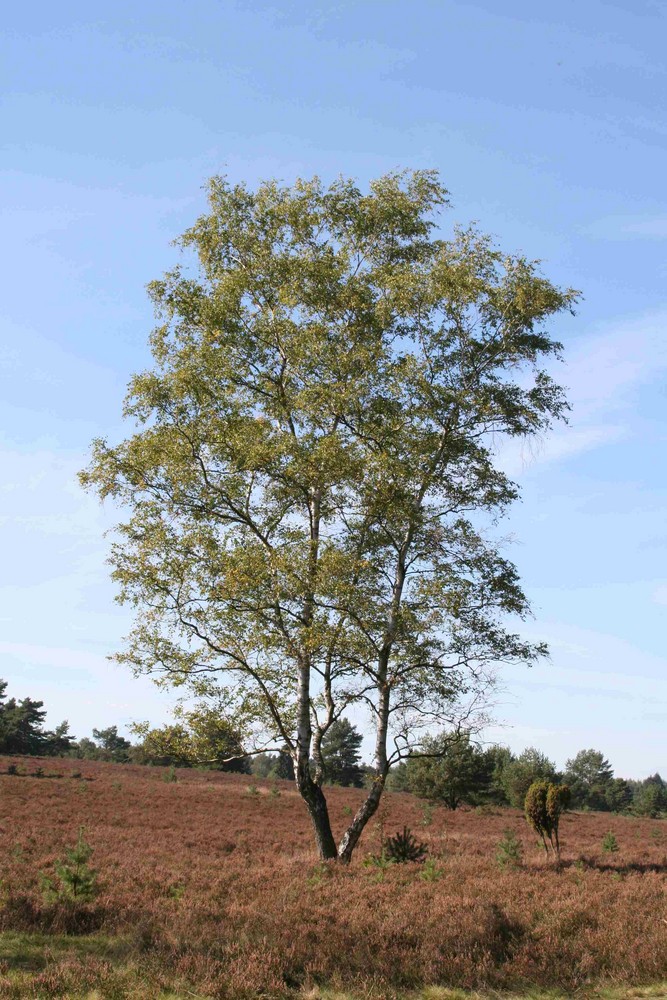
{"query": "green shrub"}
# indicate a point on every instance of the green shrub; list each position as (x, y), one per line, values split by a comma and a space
(427, 814)
(404, 846)
(509, 851)
(76, 880)
(609, 843)
(431, 871)
(543, 806)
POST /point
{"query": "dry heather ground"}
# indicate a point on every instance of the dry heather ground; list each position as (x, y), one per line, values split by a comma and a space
(209, 889)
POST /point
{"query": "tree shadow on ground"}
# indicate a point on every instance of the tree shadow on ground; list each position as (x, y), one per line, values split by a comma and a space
(586, 863)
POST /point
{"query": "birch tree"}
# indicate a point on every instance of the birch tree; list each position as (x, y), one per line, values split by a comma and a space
(310, 481)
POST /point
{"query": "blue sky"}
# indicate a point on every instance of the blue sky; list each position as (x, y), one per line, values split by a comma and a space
(548, 126)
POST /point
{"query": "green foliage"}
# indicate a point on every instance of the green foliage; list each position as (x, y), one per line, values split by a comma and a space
(427, 814)
(340, 754)
(404, 846)
(496, 760)
(273, 765)
(590, 777)
(22, 729)
(112, 747)
(170, 775)
(378, 861)
(610, 843)
(431, 871)
(618, 795)
(322, 872)
(650, 798)
(329, 377)
(456, 771)
(544, 804)
(509, 850)
(283, 766)
(176, 891)
(261, 764)
(398, 779)
(519, 773)
(75, 881)
(202, 736)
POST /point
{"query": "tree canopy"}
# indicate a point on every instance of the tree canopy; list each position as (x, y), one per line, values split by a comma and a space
(312, 467)
(340, 754)
(453, 770)
(22, 728)
(519, 773)
(201, 736)
(590, 777)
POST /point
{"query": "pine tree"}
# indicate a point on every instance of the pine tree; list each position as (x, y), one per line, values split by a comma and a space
(340, 753)
(77, 882)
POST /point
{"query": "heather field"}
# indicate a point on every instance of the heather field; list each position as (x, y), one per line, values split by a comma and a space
(209, 887)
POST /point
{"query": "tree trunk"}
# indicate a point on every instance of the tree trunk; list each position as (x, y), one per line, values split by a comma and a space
(356, 827)
(372, 800)
(316, 803)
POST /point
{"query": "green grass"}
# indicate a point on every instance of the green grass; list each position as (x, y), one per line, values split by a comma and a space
(33, 952)
(24, 957)
(656, 992)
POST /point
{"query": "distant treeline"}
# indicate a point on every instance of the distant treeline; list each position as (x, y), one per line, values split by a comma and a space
(454, 771)
(460, 771)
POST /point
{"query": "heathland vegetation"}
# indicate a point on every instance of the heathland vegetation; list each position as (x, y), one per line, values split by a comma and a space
(208, 884)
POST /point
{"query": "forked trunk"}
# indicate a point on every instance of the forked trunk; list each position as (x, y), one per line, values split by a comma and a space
(318, 811)
(356, 827)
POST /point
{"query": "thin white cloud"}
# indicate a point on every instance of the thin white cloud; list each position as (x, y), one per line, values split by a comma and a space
(58, 657)
(619, 227)
(604, 370)
(596, 690)
(603, 374)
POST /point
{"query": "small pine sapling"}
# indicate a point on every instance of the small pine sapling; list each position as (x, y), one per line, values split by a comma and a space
(609, 843)
(76, 880)
(431, 871)
(509, 852)
(427, 814)
(274, 791)
(404, 846)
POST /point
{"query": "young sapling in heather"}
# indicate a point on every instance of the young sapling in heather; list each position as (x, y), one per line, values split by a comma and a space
(76, 880)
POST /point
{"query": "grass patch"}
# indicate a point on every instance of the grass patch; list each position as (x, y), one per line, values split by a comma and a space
(48, 966)
(97, 967)
(655, 992)
(33, 952)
